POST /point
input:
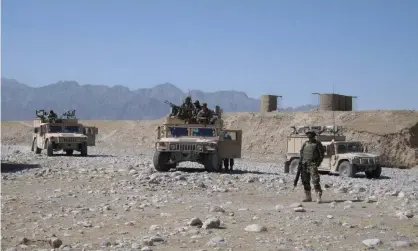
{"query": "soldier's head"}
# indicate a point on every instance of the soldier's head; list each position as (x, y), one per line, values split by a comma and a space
(197, 103)
(51, 111)
(204, 106)
(188, 99)
(311, 134)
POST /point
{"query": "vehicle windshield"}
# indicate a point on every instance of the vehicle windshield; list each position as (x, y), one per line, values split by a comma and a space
(72, 129)
(54, 128)
(349, 148)
(203, 132)
(178, 131)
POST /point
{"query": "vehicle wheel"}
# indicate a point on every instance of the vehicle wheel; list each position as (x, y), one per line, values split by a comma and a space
(345, 169)
(375, 174)
(293, 167)
(69, 152)
(160, 162)
(49, 148)
(83, 150)
(212, 162)
(33, 146)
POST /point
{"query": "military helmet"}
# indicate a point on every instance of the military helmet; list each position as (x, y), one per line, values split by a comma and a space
(197, 102)
(311, 132)
(188, 98)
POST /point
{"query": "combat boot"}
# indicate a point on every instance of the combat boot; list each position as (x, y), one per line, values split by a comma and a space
(308, 197)
(318, 197)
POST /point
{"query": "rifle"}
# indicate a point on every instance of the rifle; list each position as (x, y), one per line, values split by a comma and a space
(295, 182)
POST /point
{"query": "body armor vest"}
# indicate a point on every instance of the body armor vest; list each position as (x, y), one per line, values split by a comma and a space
(310, 152)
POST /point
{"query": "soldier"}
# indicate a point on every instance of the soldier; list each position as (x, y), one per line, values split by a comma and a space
(228, 162)
(52, 116)
(204, 115)
(311, 156)
(186, 109)
(197, 106)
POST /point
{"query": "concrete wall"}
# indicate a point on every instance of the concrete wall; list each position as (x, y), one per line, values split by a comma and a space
(335, 102)
(348, 103)
(328, 102)
(268, 103)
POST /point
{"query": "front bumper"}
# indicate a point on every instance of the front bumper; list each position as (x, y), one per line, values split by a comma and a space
(366, 167)
(185, 147)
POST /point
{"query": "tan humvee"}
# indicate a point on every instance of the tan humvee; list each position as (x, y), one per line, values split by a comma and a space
(341, 156)
(65, 134)
(206, 144)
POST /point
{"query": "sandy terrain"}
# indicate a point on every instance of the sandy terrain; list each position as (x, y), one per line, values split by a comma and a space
(114, 200)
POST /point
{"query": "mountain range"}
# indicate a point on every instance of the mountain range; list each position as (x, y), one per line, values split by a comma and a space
(19, 101)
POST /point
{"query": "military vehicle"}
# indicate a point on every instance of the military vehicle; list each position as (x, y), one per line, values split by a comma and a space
(65, 133)
(342, 157)
(208, 144)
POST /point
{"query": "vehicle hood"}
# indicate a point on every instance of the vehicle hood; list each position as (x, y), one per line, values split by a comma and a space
(72, 135)
(189, 140)
(358, 155)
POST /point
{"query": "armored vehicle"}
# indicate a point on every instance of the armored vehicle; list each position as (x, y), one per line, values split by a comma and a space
(65, 133)
(208, 144)
(342, 157)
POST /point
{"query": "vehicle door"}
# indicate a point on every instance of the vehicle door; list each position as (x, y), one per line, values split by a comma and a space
(230, 147)
(91, 132)
(326, 162)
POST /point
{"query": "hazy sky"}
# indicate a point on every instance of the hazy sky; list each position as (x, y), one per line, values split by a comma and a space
(367, 48)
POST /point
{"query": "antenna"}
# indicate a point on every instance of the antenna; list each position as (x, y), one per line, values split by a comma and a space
(333, 113)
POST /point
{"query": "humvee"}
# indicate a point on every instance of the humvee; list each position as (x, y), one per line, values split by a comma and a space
(342, 157)
(62, 134)
(207, 144)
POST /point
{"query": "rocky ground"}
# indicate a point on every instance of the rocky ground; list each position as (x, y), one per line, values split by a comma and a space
(114, 200)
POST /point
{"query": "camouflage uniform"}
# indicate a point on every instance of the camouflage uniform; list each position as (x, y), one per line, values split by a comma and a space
(197, 106)
(204, 115)
(52, 116)
(312, 154)
(228, 162)
(186, 109)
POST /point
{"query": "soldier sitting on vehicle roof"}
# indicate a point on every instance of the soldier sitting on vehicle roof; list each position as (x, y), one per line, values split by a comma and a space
(205, 115)
(52, 116)
(186, 109)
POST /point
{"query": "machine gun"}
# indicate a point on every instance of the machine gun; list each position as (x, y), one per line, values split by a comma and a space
(174, 108)
(70, 114)
(42, 115)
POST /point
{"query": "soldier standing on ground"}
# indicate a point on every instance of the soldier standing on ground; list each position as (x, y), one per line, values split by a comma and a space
(228, 162)
(312, 154)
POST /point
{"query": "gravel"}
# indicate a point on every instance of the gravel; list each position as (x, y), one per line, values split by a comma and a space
(114, 200)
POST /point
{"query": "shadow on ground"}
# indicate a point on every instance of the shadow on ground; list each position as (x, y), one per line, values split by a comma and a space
(360, 176)
(79, 156)
(17, 167)
(199, 170)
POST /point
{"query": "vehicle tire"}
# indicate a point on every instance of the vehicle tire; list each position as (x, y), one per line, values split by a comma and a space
(83, 150)
(160, 160)
(293, 167)
(69, 152)
(49, 148)
(375, 174)
(345, 169)
(212, 162)
(286, 167)
(37, 149)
